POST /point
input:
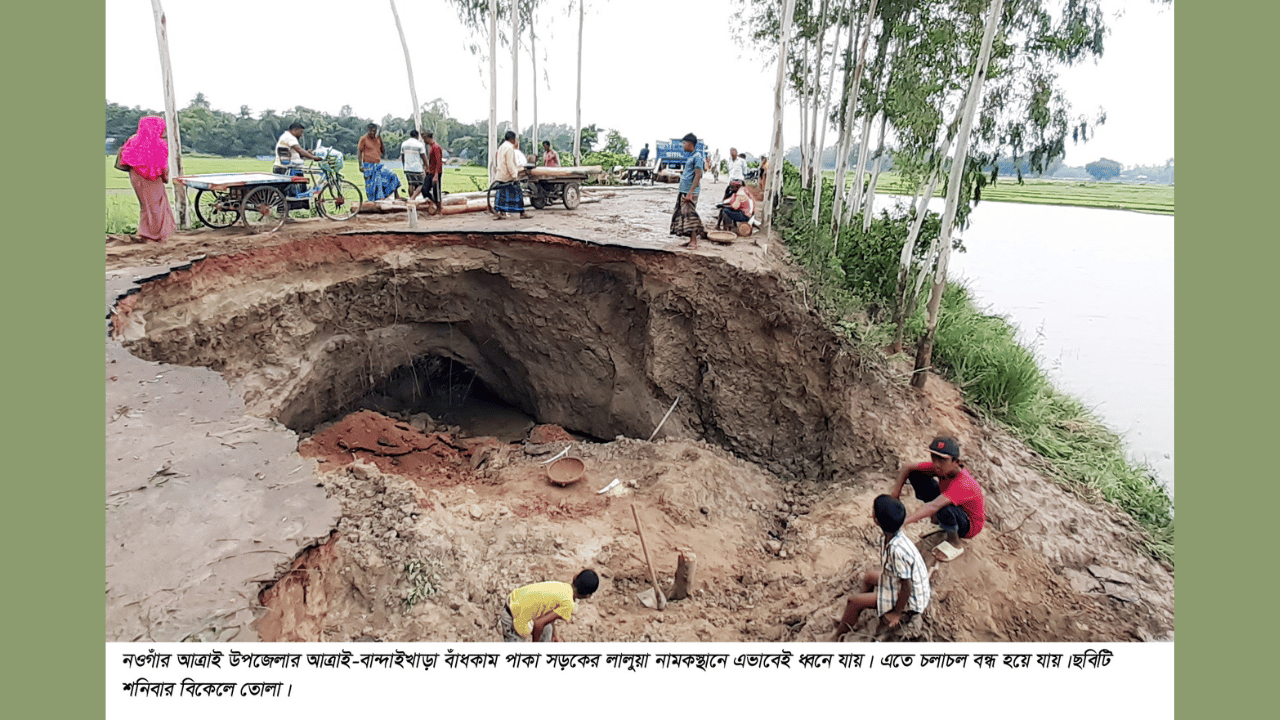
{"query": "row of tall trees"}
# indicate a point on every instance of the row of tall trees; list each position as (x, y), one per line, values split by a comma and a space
(244, 133)
(949, 87)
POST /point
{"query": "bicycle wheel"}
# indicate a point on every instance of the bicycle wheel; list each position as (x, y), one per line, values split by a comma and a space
(216, 209)
(339, 200)
(263, 209)
(489, 198)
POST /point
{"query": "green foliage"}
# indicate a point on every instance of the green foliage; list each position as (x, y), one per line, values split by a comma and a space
(1103, 169)
(617, 144)
(607, 160)
(865, 263)
(590, 134)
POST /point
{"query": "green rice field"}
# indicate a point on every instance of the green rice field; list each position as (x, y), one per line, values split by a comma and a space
(1155, 199)
(122, 204)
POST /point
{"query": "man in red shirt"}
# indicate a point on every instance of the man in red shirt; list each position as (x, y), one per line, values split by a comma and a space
(948, 491)
(435, 165)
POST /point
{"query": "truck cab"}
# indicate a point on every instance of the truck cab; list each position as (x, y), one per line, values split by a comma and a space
(671, 154)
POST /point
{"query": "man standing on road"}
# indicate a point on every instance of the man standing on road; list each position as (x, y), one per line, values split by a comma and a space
(509, 197)
(413, 154)
(737, 172)
(379, 182)
(950, 494)
(435, 166)
(531, 612)
(685, 220)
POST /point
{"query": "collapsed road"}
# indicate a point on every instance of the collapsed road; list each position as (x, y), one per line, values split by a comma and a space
(284, 461)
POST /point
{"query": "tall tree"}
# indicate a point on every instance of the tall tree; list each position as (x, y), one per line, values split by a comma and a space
(924, 351)
(577, 112)
(408, 65)
(847, 130)
(775, 149)
(171, 113)
(493, 89)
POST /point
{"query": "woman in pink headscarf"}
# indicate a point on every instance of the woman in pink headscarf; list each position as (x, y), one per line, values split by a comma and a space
(146, 157)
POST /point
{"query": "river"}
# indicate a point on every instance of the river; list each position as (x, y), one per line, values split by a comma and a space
(1091, 292)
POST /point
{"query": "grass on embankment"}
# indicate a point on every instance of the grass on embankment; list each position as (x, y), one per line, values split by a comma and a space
(122, 204)
(981, 355)
(1154, 199)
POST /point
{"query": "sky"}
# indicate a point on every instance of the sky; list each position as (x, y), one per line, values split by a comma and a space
(651, 70)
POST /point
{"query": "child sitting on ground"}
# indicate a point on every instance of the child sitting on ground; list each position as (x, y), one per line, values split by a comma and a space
(902, 583)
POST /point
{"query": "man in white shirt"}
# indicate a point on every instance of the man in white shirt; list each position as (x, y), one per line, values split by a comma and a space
(413, 153)
(737, 172)
(289, 154)
(509, 198)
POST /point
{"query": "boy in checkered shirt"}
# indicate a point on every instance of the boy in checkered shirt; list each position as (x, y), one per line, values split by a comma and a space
(901, 586)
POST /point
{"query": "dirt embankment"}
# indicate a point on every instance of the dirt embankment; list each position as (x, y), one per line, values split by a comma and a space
(782, 436)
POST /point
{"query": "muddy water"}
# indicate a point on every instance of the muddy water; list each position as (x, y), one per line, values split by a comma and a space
(1091, 291)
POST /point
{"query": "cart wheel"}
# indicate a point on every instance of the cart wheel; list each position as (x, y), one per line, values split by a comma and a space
(571, 198)
(340, 200)
(263, 209)
(537, 197)
(217, 209)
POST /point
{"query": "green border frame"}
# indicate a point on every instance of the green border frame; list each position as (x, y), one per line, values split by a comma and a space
(1225, 258)
(56, 443)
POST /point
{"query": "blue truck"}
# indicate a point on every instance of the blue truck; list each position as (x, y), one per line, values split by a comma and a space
(672, 154)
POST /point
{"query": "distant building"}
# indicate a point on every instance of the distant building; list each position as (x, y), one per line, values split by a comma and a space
(111, 144)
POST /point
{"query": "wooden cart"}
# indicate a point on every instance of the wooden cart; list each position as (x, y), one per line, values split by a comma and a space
(261, 201)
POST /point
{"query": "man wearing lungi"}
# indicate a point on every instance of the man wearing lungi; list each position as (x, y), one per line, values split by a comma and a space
(379, 182)
(509, 198)
(685, 220)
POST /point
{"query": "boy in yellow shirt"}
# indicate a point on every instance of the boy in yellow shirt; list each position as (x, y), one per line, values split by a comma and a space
(531, 612)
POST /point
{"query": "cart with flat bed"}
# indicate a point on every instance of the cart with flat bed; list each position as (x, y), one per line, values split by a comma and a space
(548, 185)
(262, 200)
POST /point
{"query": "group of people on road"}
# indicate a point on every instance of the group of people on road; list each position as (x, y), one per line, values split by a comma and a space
(739, 203)
(422, 162)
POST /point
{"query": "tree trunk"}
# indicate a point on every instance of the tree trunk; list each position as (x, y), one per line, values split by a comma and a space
(868, 202)
(859, 170)
(775, 149)
(814, 176)
(533, 53)
(172, 132)
(906, 302)
(857, 190)
(686, 580)
(848, 122)
(802, 98)
(822, 135)
(413, 92)
(493, 89)
(924, 354)
(577, 113)
(515, 69)
(842, 147)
